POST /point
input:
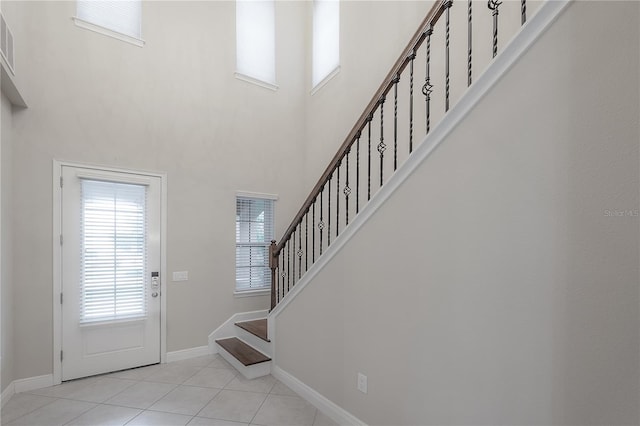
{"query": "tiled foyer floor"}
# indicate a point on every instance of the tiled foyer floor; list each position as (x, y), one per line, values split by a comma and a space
(199, 391)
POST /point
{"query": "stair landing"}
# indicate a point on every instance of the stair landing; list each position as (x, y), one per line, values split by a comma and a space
(256, 327)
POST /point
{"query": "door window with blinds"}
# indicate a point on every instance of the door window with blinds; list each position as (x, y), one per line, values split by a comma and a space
(113, 239)
(254, 232)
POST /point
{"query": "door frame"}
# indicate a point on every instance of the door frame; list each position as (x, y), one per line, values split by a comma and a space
(57, 256)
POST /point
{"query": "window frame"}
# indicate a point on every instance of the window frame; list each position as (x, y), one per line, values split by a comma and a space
(266, 289)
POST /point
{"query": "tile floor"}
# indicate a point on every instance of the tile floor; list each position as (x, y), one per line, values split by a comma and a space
(204, 391)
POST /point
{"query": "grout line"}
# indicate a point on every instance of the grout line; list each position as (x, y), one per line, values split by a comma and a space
(208, 402)
(49, 403)
(81, 414)
(258, 410)
(134, 417)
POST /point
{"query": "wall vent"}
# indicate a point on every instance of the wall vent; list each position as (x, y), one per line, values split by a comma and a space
(6, 44)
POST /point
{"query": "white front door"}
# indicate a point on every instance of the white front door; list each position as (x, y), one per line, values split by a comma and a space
(110, 271)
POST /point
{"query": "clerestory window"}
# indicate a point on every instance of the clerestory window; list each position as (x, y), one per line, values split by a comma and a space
(326, 41)
(256, 42)
(118, 19)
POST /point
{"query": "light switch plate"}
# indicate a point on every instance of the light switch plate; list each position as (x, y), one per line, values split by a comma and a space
(181, 276)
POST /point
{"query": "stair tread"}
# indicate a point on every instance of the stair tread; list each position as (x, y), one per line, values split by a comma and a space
(256, 327)
(244, 353)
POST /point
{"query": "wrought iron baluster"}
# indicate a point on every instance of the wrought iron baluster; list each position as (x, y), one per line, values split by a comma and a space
(369, 119)
(427, 89)
(313, 232)
(338, 198)
(411, 58)
(382, 146)
(321, 223)
(470, 39)
(523, 11)
(306, 241)
(283, 274)
(493, 6)
(347, 190)
(329, 213)
(358, 171)
(396, 80)
(293, 240)
(446, 60)
(300, 253)
(288, 265)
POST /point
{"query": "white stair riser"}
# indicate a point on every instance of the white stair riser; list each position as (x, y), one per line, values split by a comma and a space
(228, 328)
(253, 340)
(249, 372)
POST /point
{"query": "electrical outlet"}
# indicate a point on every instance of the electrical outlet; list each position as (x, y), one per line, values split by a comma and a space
(181, 276)
(362, 383)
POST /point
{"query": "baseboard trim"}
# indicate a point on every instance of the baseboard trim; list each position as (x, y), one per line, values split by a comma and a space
(330, 409)
(188, 353)
(32, 383)
(7, 393)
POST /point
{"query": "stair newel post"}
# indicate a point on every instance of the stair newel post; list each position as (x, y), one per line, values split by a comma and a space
(273, 264)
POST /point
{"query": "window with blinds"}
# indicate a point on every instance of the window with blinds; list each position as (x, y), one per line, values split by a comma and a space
(120, 16)
(254, 232)
(113, 239)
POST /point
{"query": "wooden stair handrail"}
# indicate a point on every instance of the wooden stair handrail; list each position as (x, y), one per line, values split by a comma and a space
(416, 41)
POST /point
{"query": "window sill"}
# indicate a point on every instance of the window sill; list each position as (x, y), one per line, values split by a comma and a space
(251, 293)
(325, 80)
(106, 31)
(256, 81)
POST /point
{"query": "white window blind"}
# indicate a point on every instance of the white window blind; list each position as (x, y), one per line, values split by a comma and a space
(256, 39)
(326, 39)
(114, 249)
(121, 16)
(254, 232)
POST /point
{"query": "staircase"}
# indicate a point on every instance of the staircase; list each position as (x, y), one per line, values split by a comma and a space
(420, 92)
(248, 351)
(418, 102)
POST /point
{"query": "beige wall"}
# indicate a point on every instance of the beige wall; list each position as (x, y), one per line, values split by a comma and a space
(492, 287)
(13, 15)
(6, 263)
(172, 106)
